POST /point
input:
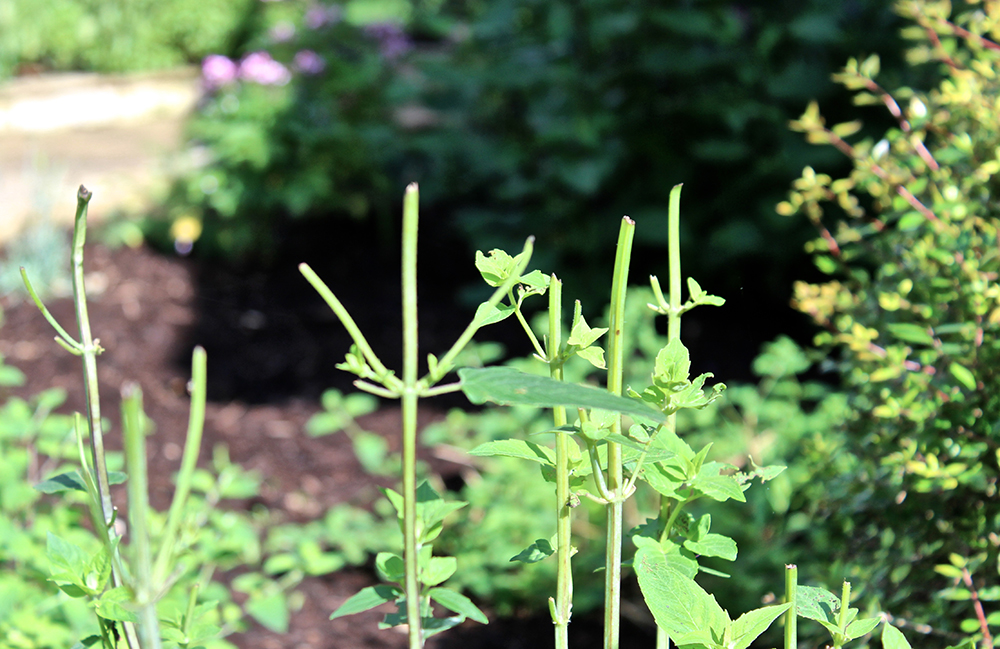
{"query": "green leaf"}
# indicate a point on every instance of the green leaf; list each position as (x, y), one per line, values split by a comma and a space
(112, 605)
(893, 638)
(458, 603)
(537, 551)
(64, 555)
(816, 604)
(750, 625)
(508, 386)
(963, 375)
(858, 628)
(911, 333)
(270, 610)
(390, 567)
(713, 545)
(437, 570)
(517, 448)
(583, 335)
(673, 363)
(62, 482)
(367, 599)
(716, 485)
(486, 315)
(686, 612)
(594, 356)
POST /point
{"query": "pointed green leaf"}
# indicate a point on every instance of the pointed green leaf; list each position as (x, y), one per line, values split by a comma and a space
(537, 551)
(437, 570)
(390, 567)
(594, 356)
(964, 375)
(64, 555)
(458, 603)
(486, 315)
(583, 335)
(750, 625)
(816, 604)
(673, 363)
(270, 610)
(893, 638)
(713, 545)
(679, 605)
(114, 605)
(507, 386)
(367, 599)
(62, 482)
(517, 448)
(911, 333)
(858, 628)
(711, 482)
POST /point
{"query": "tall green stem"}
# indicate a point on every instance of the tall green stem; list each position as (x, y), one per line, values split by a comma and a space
(616, 359)
(90, 350)
(138, 514)
(410, 395)
(673, 333)
(563, 605)
(791, 615)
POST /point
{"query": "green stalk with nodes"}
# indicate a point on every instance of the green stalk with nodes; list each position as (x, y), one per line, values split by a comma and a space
(418, 530)
(144, 581)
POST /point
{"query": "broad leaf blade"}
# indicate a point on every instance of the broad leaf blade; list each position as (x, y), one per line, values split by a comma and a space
(509, 387)
(366, 599)
(678, 604)
(458, 603)
(750, 625)
(516, 448)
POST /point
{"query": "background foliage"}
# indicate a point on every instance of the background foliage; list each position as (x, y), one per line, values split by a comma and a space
(910, 317)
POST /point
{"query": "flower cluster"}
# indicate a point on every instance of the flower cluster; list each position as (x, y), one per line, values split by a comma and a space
(259, 67)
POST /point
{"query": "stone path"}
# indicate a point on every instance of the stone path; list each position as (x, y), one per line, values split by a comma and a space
(113, 134)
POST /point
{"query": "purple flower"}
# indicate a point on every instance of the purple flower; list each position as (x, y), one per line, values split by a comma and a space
(309, 62)
(319, 15)
(217, 71)
(392, 40)
(260, 68)
(282, 32)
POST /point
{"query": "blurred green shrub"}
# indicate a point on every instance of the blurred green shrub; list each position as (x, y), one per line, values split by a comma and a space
(523, 117)
(116, 35)
(911, 316)
(298, 124)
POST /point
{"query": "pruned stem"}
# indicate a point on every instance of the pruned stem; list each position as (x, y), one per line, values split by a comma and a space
(616, 359)
(409, 402)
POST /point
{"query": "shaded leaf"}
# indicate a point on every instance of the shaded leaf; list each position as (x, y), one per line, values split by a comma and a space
(508, 386)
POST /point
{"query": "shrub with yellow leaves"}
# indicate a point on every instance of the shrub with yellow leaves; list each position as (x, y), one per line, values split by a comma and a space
(912, 315)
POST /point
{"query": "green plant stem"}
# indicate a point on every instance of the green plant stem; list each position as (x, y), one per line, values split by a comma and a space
(134, 441)
(616, 359)
(564, 512)
(791, 615)
(410, 396)
(845, 605)
(90, 349)
(192, 447)
(673, 333)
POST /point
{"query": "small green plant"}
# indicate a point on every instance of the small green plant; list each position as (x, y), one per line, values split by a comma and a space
(156, 590)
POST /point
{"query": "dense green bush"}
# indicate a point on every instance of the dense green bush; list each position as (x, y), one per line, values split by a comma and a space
(531, 117)
(116, 35)
(911, 316)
